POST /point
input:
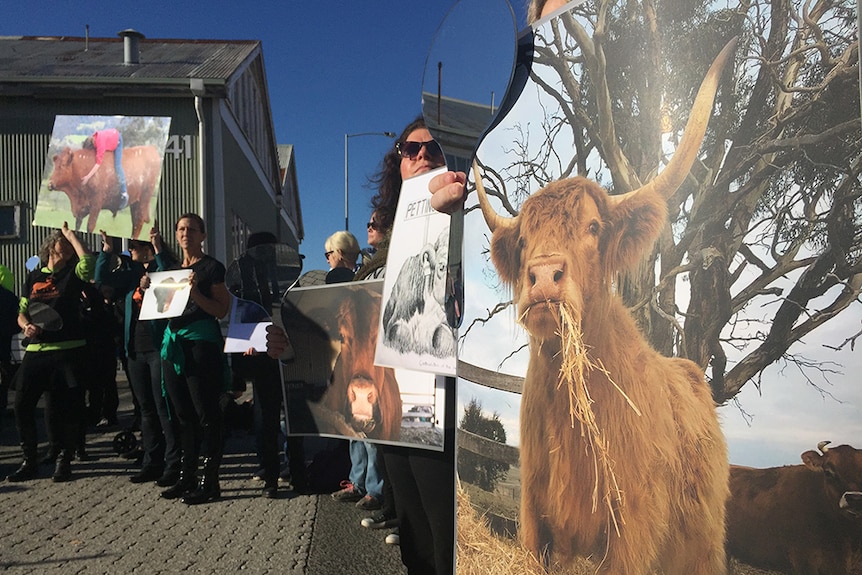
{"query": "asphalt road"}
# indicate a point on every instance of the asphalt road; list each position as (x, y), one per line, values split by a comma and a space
(101, 523)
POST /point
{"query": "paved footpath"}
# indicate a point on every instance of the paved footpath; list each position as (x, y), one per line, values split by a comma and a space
(101, 523)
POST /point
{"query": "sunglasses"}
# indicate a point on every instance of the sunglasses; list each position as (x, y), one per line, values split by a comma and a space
(374, 226)
(410, 150)
(327, 254)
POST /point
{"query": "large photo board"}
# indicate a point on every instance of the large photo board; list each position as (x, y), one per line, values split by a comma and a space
(332, 385)
(604, 342)
(97, 164)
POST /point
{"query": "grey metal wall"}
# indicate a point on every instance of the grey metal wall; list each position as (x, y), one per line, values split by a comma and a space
(178, 189)
(22, 159)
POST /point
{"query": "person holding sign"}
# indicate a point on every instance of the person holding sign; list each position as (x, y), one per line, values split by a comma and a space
(142, 340)
(423, 481)
(193, 364)
(49, 315)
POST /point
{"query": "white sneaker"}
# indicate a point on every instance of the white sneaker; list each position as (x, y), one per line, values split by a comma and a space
(393, 538)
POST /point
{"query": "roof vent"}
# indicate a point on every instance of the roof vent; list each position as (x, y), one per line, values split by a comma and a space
(131, 51)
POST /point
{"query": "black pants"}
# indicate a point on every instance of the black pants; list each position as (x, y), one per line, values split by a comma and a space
(57, 374)
(194, 394)
(424, 486)
(423, 483)
(158, 433)
(101, 381)
(263, 372)
(268, 398)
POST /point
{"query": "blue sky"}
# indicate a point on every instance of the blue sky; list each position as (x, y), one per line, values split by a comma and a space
(332, 69)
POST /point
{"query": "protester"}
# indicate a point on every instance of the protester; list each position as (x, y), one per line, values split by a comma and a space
(142, 341)
(364, 485)
(379, 226)
(50, 316)
(193, 364)
(263, 371)
(8, 329)
(342, 249)
(100, 325)
(423, 481)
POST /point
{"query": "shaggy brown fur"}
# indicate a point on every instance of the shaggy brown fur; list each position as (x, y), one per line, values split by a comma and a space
(634, 472)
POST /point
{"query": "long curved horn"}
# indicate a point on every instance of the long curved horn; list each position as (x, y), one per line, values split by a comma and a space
(492, 218)
(667, 182)
(822, 446)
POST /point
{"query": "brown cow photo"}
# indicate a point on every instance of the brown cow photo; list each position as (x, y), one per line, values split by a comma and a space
(800, 519)
(621, 455)
(101, 164)
(332, 384)
(622, 354)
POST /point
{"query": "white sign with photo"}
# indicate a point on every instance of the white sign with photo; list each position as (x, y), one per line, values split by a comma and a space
(167, 295)
(414, 332)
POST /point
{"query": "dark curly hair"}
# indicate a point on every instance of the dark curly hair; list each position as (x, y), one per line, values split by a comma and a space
(388, 179)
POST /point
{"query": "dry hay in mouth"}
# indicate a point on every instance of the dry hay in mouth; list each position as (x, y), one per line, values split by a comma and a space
(574, 369)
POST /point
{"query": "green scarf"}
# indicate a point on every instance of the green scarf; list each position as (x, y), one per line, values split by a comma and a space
(201, 330)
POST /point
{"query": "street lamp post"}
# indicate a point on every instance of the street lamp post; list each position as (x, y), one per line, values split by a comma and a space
(346, 170)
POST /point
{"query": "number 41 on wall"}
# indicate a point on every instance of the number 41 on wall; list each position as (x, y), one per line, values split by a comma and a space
(180, 147)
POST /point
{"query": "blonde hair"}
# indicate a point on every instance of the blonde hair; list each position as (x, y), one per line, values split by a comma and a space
(345, 243)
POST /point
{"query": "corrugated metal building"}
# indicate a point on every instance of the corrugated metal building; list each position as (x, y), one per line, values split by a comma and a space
(221, 160)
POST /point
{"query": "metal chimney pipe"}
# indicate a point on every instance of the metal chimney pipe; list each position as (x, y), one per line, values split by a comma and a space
(131, 51)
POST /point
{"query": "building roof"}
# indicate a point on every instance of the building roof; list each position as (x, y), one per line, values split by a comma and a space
(162, 64)
(457, 124)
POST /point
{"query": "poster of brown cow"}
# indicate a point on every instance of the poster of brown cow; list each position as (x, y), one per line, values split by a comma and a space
(660, 310)
(332, 385)
(98, 164)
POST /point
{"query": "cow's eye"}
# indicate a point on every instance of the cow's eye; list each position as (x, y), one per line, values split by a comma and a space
(830, 473)
(594, 228)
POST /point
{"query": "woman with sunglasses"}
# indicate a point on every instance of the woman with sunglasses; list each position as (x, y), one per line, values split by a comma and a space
(342, 249)
(420, 483)
(415, 152)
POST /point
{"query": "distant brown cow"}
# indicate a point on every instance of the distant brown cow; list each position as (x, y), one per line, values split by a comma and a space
(805, 518)
(650, 465)
(141, 165)
(367, 395)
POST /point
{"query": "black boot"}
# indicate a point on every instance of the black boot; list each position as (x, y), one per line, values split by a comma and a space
(26, 472)
(63, 467)
(51, 455)
(186, 482)
(208, 489)
(29, 467)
